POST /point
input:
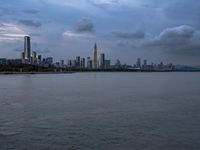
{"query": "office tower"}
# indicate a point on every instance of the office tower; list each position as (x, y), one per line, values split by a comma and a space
(107, 64)
(27, 48)
(3, 61)
(145, 63)
(22, 56)
(89, 63)
(95, 58)
(138, 63)
(69, 63)
(34, 57)
(102, 61)
(118, 63)
(78, 61)
(39, 59)
(62, 63)
(73, 63)
(82, 62)
(49, 60)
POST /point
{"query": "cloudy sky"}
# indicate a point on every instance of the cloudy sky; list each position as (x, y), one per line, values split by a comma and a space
(156, 30)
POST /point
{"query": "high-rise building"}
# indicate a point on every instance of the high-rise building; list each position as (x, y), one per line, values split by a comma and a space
(95, 58)
(62, 63)
(145, 63)
(22, 56)
(82, 62)
(39, 59)
(34, 58)
(107, 64)
(78, 61)
(138, 63)
(89, 63)
(102, 61)
(117, 64)
(49, 60)
(27, 48)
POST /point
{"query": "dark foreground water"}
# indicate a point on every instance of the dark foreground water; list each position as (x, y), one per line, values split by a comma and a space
(100, 111)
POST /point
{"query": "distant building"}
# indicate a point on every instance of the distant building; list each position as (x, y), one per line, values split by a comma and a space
(144, 66)
(39, 59)
(82, 62)
(71, 63)
(49, 60)
(3, 61)
(22, 55)
(62, 63)
(145, 62)
(95, 58)
(107, 64)
(34, 58)
(27, 48)
(14, 61)
(138, 64)
(89, 63)
(78, 61)
(118, 64)
(102, 61)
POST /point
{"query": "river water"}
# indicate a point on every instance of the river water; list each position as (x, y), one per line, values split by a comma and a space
(100, 111)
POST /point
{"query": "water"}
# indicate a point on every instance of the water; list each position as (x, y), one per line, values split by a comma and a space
(100, 111)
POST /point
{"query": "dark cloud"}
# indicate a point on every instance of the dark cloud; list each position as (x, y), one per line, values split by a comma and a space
(31, 11)
(18, 49)
(43, 51)
(84, 25)
(129, 35)
(104, 3)
(30, 23)
(182, 40)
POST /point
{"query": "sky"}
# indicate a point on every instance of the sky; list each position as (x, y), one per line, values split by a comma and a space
(156, 30)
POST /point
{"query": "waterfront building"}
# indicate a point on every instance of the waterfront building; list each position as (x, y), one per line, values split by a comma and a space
(49, 60)
(39, 59)
(138, 64)
(3, 61)
(102, 61)
(62, 63)
(82, 62)
(107, 64)
(89, 63)
(34, 58)
(145, 64)
(117, 64)
(78, 61)
(95, 58)
(27, 48)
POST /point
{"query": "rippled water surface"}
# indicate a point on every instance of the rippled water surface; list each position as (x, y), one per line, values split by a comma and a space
(100, 111)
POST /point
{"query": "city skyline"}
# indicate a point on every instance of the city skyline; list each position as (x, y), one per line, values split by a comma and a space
(124, 29)
(97, 61)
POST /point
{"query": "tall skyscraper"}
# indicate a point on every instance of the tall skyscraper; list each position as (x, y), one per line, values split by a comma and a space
(27, 48)
(138, 63)
(95, 58)
(34, 58)
(89, 63)
(107, 64)
(102, 61)
(82, 62)
(78, 61)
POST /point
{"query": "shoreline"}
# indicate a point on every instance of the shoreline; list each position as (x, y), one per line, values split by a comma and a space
(71, 72)
(32, 73)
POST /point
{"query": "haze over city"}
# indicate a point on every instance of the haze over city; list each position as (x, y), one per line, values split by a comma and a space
(124, 29)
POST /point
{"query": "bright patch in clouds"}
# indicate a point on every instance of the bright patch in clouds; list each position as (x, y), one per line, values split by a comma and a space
(72, 35)
(10, 33)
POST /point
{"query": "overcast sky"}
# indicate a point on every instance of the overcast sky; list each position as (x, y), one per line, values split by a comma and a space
(156, 30)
